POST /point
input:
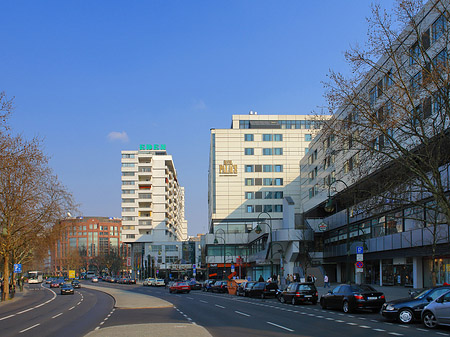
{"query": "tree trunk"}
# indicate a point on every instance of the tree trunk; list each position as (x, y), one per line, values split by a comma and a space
(5, 293)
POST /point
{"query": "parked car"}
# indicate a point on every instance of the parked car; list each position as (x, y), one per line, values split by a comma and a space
(350, 297)
(147, 282)
(406, 310)
(67, 289)
(195, 285)
(299, 292)
(207, 285)
(244, 288)
(263, 289)
(179, 287)
(159, 282)
(437, 312)
(219, 287)
(76, 284)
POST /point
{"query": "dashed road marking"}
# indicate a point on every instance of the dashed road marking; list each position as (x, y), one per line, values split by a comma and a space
(280, 326)
(57, 315)
(242, 313)
(31, 327)
(219, 306)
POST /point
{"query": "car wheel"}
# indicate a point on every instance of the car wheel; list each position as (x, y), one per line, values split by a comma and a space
(293, 301)
(282, 299)
(405, 316)
(345, 307)
(429, 320)
(322, 304)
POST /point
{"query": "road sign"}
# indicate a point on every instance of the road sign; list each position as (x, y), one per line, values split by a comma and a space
(17, 268)
(323, 226)
(232, 268)
(359, 264)
(359, 257)
(359, 250)
(128, 261)
(71, 273)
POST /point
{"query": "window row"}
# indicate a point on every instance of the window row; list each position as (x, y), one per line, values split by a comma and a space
(127, 164)
(263, 181)
(263, 168)
(291, 124)
(127, 155)
(264, 208)
(264, 195)
(128, 182)
(265, 137)
(266, 151)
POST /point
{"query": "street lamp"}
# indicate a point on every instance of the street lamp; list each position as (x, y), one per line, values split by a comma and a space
(259, 230)
(329, 207)
(216, 242)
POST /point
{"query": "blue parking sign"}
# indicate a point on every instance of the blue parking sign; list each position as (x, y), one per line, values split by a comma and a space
(17, 268)
(359, 250)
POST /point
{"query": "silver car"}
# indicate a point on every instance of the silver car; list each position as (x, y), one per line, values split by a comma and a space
(437, 312)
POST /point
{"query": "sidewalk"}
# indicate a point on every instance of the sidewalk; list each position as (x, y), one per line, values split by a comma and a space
(390, 292)
(129, 300)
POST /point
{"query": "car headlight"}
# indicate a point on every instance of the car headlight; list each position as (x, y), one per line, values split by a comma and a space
(390, 307)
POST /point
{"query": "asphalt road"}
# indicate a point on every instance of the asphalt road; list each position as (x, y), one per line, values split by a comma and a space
(224, 315)
(44, 312)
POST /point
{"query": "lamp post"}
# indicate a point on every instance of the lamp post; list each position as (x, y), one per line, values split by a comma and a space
(259, 230)
(281, 251)
(329, 207)
(216, 242)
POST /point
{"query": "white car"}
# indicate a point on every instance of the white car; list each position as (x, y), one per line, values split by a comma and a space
(95, 279)
(159, 282)
(148, 281)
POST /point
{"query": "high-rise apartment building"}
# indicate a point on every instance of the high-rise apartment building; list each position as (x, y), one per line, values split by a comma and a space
(152, 198)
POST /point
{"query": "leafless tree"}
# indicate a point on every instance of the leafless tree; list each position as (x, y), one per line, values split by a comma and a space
(390, 125)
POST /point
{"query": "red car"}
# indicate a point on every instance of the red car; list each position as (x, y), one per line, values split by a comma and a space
(54, 284)
(180, 287)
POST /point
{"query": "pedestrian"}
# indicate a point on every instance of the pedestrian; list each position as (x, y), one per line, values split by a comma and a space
(291, 278)
(326, 282)
(295, 278)
(269, 279)
(261, 279)
(309, 278)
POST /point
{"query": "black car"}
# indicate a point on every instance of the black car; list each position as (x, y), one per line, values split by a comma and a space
(299, 292)
(350, 297)
(244, 288)
(263, 289)
(76, 284)
(195, 285)
(67, 289)
(406, 310)
(219, 287)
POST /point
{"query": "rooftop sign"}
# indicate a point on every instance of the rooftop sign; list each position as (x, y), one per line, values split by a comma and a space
(152, 147)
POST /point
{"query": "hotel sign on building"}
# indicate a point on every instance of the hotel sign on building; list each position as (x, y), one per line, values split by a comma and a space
(152, 147)
(228, 168)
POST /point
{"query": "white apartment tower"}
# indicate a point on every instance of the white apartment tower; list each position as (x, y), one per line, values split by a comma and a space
(152, 198)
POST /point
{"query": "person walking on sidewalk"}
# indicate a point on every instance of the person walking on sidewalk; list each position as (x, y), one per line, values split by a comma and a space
(326, 282)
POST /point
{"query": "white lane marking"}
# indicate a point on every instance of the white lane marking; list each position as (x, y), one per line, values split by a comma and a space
(191, 298)
(72, 308)
(203, 301)
(1, 319)
(339, 321)
(379, 330)
(395, 334)
(422, 329)
(441, 333)
(330, 319)
(280, 326)
(21, 312)
(351, 323)
(219, 306)
(57, 315)
(365, 327)
(31, 327)
(242, 313)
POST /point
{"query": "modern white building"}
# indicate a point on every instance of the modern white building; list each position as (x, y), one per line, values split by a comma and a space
(254, 178)
(152, 200)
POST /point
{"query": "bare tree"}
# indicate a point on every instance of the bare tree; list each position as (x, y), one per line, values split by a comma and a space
(32, 200)
(391, 117)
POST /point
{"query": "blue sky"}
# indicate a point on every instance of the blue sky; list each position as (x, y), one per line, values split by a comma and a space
(93, 78)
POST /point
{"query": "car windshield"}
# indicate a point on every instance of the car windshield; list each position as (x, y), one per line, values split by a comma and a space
(362, 288)
(421, 294)
(182, 284)
(305, 287)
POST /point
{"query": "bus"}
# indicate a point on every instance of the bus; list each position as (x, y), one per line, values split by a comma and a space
(35, 276)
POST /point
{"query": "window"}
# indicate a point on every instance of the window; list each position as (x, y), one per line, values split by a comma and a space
(388, 81)
(171, 248)
(249, 151)
(258, 195)
(127, 165)
(250, 209)
(440, 60)
(267, 168)
(249, 195)
(248, 138)
(278, 208)
(438, 27)
(278, 195)
(249, 168)
(416, 81)
(249, 182)
(128, 174)
(128, 182)
(258, 168)
(267, 152)
(267, 181)
(258, 181)
(426, 39)
(278, 151)
(128, 201)
(268, 195)
(414, 53)
(268, 208)
(128, 191)
(277, 138)
(244, 124)
(128, 218)
(258, 208)
(308, 137)
(278, 168)
(278, 181)
(127, 155)
(267, 138)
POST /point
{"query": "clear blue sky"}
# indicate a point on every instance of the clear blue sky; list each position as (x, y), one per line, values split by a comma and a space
(162, 71)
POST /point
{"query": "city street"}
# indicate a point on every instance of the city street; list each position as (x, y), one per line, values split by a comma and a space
(44, 312)
(225, 315)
